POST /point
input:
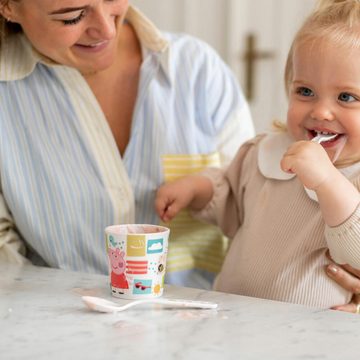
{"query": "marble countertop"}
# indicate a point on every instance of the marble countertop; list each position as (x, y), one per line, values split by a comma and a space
(42, 317)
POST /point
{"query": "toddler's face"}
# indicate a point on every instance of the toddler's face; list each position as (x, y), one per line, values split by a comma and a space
(325, 96)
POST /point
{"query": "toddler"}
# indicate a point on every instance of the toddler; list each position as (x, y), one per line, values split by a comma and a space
(286, 199)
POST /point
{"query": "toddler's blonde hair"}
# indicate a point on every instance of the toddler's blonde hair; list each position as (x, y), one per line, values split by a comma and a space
(335, 20)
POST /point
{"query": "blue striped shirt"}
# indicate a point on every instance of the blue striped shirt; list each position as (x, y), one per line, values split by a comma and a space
(62, 177)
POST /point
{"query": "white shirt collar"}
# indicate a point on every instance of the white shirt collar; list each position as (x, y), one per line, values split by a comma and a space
(271, 150)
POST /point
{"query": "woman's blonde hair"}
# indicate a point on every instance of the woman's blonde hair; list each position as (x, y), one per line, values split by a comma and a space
(334, 20)
(7, 27)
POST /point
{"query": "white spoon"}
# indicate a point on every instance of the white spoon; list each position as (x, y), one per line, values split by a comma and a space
(319, 138)
(103, 305)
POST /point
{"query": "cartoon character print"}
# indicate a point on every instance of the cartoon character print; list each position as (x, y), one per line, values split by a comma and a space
(118, 267)
(161, 264)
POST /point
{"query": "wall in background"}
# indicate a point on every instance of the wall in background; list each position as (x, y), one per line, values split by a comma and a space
(206, 19)
(225, 25)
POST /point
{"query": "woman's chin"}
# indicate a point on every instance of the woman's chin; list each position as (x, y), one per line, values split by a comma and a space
(91, 63)
(89, 69)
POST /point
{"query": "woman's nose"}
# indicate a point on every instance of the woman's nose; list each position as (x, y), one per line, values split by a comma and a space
(322, 111)
(102, 26)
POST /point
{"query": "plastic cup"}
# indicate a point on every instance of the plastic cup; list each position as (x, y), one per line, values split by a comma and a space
(137, 260)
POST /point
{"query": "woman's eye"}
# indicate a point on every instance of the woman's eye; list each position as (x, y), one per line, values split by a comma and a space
(304, 91)
(346, 97)
(74, 20)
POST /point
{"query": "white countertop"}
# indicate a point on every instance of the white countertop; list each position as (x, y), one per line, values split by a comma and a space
(42, 317)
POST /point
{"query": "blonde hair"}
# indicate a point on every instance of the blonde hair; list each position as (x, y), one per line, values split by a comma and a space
(334, 20)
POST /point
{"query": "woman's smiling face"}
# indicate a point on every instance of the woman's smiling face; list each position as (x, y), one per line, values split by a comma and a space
(78, 33)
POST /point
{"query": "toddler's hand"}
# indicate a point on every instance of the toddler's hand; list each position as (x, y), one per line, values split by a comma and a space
(310, 162)
(173, 197)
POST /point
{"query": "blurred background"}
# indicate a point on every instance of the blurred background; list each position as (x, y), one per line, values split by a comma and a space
(252, 36)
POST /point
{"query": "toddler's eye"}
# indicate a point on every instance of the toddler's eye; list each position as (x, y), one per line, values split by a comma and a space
(346, 97)
(304, 91)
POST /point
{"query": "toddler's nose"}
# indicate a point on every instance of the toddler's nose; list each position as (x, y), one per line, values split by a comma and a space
(322, 112)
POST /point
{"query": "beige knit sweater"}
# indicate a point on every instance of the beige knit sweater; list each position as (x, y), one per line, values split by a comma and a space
(279, 238)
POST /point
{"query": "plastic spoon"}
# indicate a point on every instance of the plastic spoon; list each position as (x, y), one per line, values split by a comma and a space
(103, 305)
(319, 138)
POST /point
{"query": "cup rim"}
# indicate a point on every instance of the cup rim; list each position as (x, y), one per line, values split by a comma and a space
(163, 229)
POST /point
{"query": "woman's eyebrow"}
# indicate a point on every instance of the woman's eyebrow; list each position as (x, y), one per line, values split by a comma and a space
(66, 10)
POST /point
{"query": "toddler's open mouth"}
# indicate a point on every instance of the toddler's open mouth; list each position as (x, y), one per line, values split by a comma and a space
(332, 142)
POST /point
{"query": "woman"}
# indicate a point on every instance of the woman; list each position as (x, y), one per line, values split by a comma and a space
(97, 109)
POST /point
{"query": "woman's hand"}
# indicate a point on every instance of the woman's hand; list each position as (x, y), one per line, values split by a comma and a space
(348, 278)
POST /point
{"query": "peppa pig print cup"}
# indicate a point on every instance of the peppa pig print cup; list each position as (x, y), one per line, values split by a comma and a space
(137, 260)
